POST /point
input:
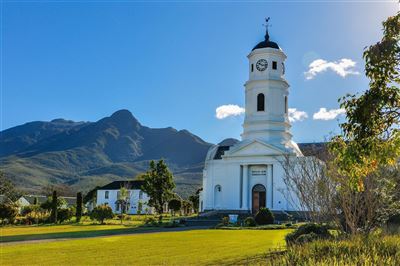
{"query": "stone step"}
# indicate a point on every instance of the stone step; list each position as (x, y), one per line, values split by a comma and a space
(202, 222)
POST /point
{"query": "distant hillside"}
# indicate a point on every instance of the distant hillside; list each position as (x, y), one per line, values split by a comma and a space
(86, 154)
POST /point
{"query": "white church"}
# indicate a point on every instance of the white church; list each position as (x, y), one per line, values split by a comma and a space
(247, 175)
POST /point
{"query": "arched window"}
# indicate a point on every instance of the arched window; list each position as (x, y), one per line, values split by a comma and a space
(260, 102)
(286, 105)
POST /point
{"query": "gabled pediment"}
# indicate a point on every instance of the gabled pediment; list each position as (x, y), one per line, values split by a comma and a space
(253, 148)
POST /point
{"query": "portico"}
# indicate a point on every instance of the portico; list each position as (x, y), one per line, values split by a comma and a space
(256, 187)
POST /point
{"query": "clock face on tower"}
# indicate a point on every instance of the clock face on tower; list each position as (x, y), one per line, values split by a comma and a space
(261, 65)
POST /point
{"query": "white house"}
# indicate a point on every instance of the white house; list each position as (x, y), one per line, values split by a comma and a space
(27, 200)
(109, 195)
(245, 175)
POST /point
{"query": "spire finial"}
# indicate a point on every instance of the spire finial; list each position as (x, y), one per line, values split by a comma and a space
(266, 25)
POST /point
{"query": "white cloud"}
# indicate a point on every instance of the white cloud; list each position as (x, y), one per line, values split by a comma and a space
(324, 114)
(343, 67)
(296, 115)
(228, 110)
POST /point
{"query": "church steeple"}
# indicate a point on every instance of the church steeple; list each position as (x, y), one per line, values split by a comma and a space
(267, 93)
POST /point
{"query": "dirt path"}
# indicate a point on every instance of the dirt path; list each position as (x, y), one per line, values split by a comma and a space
(140, 231)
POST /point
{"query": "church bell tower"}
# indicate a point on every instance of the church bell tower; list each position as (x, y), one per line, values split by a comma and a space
(266, 93)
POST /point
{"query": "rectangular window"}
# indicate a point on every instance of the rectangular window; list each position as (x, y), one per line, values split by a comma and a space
(106, 194)
(252, 67)
(274, 65)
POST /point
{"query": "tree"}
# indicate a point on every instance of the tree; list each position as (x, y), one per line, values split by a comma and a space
(54, 207)
(194, 199)
(123, 201)
(7, 189)
(310, 188)
(78, 206)
(371, 136)
(158, 184)
(187, 207)
(140, 207)
(35, 201)
(8, 212)
(370, 142)
(101, 212)
(174, 205)
(47, 205)
(64, 214)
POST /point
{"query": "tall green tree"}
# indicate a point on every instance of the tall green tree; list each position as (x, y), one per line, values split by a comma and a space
(371, 137)
(369, 146)
(54, 208)
(159, 185)
(79, 200)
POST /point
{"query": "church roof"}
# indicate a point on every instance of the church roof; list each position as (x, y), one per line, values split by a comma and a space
(224, 146)
(266, 44)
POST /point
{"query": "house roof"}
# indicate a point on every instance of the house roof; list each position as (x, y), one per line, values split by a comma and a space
(133, 184)
(31, 198)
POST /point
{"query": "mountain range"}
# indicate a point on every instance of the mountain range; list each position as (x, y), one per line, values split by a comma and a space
(83, 155)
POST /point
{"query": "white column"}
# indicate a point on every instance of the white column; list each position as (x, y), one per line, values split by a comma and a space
(245, 187)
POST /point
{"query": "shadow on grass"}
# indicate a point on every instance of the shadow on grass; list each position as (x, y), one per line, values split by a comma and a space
(78, 234)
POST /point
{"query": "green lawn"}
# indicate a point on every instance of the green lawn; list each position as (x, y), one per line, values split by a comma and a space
(19, 233)
(178, 248)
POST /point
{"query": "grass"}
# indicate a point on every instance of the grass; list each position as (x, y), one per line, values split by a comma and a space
(358, 250)
(21, 233)
(86, 228)
(178, 248)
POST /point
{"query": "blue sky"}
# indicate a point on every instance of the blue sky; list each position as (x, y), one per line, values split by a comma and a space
(174, 63)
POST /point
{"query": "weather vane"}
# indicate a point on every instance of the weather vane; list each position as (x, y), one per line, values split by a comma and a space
(267, 25)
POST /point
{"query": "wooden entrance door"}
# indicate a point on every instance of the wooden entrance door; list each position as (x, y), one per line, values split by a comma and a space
(258, 198)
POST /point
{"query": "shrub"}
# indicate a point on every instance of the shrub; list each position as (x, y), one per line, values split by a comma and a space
(27, 210)
(225, 221)
(359, 250)
(264, 216)
(307, 233)
(8, 213)
(174, 205)
(249, 222)
(150, 220)
(101, 212)
(64, 214)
